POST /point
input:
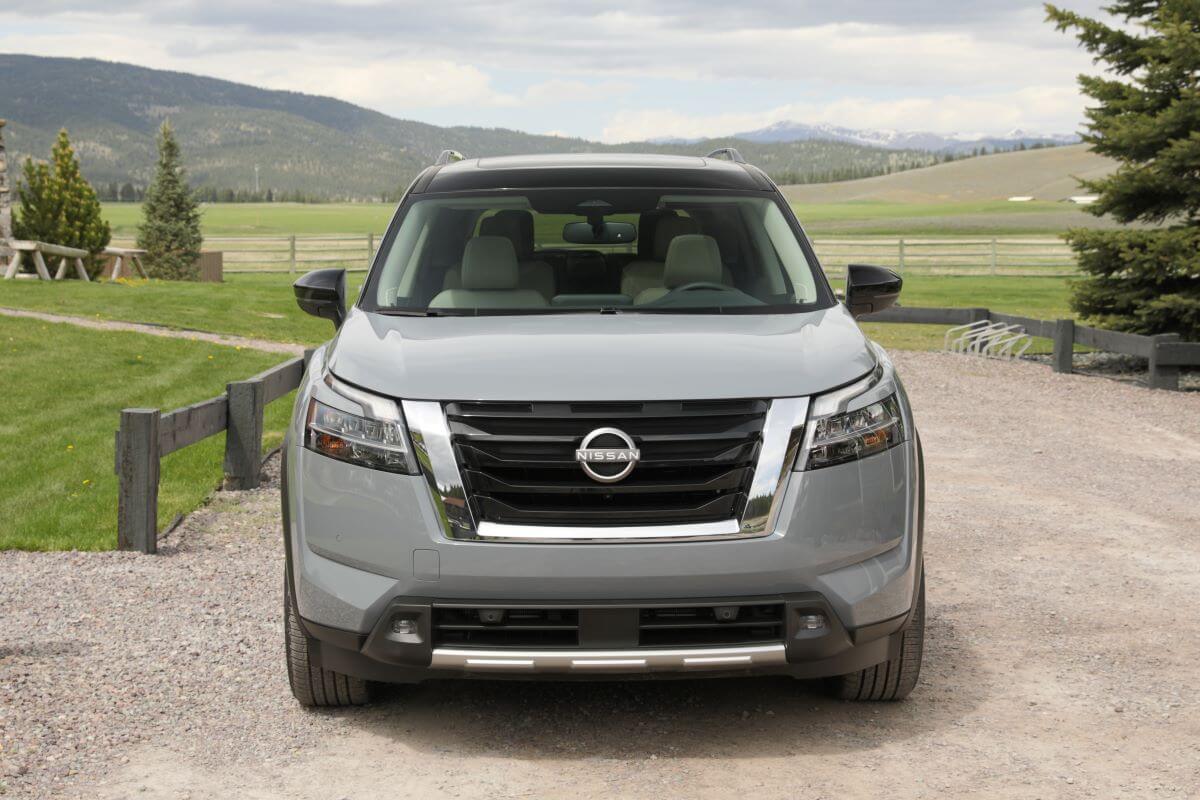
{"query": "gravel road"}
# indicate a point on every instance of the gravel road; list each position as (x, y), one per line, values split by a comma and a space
(1062, 660)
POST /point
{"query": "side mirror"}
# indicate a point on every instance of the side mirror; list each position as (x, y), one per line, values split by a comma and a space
(322, 293)
(870, 289)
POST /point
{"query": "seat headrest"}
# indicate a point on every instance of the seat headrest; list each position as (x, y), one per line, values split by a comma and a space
(693, 258)
(516, 226)
(489, 262)
(667, 229)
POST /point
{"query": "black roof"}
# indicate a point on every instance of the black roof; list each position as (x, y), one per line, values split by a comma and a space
(592, 169)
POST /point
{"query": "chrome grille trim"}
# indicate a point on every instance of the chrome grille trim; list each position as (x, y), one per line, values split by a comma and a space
(693, 659)
(432, 444)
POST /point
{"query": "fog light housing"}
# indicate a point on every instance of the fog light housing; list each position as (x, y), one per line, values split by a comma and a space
(811, 622)
(404, 627)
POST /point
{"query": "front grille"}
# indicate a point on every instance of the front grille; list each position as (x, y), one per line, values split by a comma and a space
(505, 627)
(710, 625)
(600, 627)
(518, 461)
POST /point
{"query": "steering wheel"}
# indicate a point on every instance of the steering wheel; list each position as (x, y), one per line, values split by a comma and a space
(698, 286)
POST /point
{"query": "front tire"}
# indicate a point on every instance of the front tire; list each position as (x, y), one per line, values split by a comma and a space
(895, 678)
(312, 685)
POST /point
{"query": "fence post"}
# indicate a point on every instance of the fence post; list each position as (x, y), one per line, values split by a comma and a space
(137, 468)
(370, 248)
(993, 256)
(1162, 377)
(1064, 345)
(243, 439)
(292, 254)
(902, 255)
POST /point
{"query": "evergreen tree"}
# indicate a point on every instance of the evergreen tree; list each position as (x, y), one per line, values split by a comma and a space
(1146, 116)
(170, 233)
(58, 206)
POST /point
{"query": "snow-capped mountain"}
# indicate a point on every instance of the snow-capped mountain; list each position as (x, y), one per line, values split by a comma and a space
(903, 140)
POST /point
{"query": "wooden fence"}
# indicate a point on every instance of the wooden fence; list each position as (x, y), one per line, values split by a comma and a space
(146, 435)
(951, 256)
(932, 256)
(1165, 353)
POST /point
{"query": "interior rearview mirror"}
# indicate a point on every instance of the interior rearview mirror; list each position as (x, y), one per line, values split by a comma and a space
(870, 289)
(599, 233)
(322, 293)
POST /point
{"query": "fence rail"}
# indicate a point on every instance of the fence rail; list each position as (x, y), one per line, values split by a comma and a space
(1165, 352)
(933, 256)
(147, 434)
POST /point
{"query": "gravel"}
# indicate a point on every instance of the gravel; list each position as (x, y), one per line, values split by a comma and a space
(1063, 577)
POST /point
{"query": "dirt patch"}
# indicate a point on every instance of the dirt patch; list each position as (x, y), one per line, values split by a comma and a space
(1063, 576)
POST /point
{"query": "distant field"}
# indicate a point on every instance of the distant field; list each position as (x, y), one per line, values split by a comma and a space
(856, 217)
(258, 219)
(56, 451)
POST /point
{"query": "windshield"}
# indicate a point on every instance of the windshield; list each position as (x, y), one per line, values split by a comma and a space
(612, 250)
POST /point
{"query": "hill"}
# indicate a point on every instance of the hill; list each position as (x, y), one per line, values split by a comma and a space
(958, 144)
(1046, 174)
(301, 142)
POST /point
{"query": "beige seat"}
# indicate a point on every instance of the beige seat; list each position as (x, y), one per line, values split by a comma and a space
(691, 258)
(489, 279)
(516, 226)
(648, 274)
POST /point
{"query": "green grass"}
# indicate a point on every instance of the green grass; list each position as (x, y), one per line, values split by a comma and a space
(851, 218)
(1041, 298)
(56, 445)
(259, 306)
(268, 219)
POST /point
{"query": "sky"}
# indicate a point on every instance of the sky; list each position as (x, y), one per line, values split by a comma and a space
(613, 72)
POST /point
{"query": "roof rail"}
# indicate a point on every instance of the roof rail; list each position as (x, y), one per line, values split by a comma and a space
(448, 157)
(727, 152)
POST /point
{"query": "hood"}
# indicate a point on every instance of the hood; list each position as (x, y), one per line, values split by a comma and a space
(600, 357)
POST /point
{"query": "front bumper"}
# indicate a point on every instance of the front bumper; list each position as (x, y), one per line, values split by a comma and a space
(363, 543)
(413, 655)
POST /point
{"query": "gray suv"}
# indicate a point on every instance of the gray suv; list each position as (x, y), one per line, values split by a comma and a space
(598, 416)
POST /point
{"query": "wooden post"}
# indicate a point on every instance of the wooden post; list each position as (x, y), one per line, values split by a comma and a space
(137, 466)
(40, 264)
(901, 255)
(993, 256)
(292, 254)
(243, 440)
(1162, 377)
(1064, 346)
(370, 248)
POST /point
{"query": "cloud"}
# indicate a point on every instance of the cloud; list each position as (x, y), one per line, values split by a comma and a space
(634, 70)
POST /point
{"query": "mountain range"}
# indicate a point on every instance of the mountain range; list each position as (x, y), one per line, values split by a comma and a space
(321, 147)
(956, 143)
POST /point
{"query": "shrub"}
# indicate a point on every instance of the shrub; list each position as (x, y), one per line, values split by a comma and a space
(58, 206)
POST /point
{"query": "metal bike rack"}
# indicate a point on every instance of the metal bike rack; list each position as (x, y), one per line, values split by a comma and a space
(988, 339)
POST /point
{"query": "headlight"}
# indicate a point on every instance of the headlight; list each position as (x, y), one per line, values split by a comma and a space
(376, 438)
(856, 421)
(856, 434)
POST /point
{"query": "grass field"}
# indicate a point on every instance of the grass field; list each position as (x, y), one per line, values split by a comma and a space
(858, 217)
(56, 446)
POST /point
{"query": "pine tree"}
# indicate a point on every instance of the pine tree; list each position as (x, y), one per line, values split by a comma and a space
(58, 206)
(1146, 116)
(170, 233)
